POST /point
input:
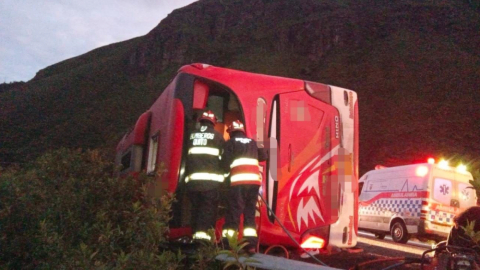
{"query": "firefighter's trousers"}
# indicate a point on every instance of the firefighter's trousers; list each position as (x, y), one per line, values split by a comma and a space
(204, 209)
(242, 199)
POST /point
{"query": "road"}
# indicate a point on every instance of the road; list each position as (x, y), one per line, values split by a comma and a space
(387, 247)
(369, 249)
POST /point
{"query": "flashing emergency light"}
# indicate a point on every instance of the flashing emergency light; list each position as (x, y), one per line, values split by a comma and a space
(431, 161)
(461, 168)
(421, 171)
(313, 242)
(443, 164)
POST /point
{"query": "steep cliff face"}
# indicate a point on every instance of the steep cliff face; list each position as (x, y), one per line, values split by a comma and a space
(221, 31)
(415, 65)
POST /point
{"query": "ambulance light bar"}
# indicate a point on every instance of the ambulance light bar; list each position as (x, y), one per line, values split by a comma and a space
(443, 164)
(461, 168)
(421, 171)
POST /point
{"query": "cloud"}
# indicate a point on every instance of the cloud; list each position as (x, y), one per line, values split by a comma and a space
(36, 34)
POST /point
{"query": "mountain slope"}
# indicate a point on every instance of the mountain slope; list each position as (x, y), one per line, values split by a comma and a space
(414, 64)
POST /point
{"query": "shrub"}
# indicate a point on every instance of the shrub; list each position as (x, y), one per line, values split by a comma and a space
(65, 211)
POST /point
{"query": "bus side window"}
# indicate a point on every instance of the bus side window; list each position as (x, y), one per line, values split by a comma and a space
(200, 94)
(261, 121)
(126, 160)
(152, 154)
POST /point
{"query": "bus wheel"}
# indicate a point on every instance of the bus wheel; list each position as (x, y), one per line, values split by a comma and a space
(399, 232)
(380, 235)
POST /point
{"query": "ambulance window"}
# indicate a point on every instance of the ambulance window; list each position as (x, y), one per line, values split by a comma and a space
(260, 121)
(152, 154)
(442, 190)
(466, 195)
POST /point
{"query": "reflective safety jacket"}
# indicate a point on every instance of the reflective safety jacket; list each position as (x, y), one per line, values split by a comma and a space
(240, 158)
(203, 169)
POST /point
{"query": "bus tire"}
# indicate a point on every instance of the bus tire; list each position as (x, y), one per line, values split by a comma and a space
(380, 235)
(399, 232)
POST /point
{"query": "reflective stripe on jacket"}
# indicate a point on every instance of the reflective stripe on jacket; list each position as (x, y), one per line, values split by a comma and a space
(203, 169)
(204, 150)
(205, 176)
(241, 158)
(244, 171)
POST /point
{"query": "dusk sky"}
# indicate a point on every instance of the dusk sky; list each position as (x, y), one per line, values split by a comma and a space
(37, 34)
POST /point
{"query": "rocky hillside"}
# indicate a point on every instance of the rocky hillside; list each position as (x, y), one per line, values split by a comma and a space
(414, 64)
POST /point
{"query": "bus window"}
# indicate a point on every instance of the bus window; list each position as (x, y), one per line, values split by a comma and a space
(200, 94)
(272, 180)
(260, 122)
(215, 103)
(126, 160)
(152, 154)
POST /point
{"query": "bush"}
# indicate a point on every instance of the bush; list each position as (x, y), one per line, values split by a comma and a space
(66, 211)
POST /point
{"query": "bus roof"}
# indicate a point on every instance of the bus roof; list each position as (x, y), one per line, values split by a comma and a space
(243, 81)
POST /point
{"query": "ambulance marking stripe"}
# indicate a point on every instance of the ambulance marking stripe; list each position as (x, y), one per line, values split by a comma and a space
(396, 195)
(404, 207)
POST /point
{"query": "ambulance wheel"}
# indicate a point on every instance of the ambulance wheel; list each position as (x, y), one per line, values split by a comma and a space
(399, 232)
(380, 235)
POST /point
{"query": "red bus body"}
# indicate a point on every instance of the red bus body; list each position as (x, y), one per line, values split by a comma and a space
(310, 131)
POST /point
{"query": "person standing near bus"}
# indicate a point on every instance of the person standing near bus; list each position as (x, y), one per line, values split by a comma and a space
(240, 158)
(204, 174)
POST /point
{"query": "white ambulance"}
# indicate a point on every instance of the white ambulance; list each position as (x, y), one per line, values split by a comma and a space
(418, 199)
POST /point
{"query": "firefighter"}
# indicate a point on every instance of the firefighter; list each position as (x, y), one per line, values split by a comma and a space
(240, 158)
(204, 175)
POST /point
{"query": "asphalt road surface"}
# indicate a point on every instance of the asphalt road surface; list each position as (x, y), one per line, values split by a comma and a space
(387, 247)
(371, 249)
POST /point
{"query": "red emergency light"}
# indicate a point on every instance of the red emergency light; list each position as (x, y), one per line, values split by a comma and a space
(431, 161)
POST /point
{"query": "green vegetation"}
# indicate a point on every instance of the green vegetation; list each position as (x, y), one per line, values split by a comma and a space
(66, 211)
(471, 233)
(475, 182)
(236, 252)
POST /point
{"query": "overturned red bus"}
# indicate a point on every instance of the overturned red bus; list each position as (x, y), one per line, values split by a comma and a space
(310, 131)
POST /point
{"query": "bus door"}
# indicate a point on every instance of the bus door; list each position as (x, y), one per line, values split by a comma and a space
(301, 126)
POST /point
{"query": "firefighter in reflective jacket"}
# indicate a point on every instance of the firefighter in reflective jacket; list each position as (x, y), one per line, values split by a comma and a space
(241, 158)
(204, 174)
